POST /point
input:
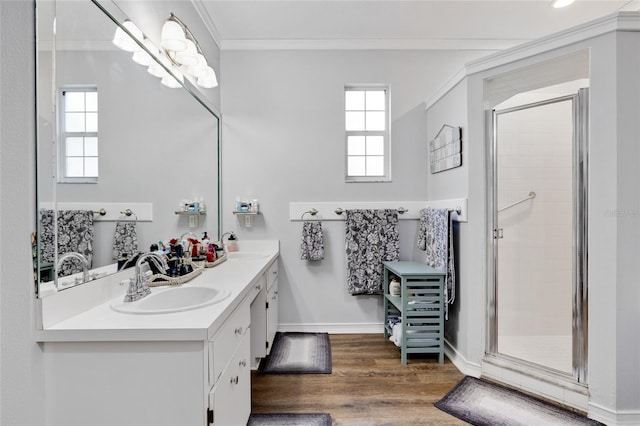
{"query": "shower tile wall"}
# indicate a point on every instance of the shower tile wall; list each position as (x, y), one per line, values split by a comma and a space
(535, 255)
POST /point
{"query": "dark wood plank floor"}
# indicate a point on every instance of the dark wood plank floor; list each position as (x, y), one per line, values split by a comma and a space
(368, 386)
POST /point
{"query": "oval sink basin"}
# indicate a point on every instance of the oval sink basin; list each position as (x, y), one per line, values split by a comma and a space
(177, 299)
(245, 255)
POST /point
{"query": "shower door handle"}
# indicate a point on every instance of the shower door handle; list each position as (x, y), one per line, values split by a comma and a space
(498, 234)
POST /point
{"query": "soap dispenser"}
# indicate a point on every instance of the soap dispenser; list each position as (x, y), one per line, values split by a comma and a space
(232, 244)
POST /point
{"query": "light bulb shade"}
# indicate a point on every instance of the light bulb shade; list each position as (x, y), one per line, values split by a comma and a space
(199, 69)
(170, 81)
(189, 56)
(209, 80)
(562, 3)
(173, 36)
(158, 70)
(142, 57)
(124, 41)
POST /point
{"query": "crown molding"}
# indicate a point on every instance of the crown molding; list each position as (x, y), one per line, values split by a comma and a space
(620, 21)
(208, 22)
(370, 44)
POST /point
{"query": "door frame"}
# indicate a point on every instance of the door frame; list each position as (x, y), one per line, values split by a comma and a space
(580, 102)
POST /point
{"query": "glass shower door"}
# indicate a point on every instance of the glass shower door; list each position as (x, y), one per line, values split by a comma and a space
(537, 220)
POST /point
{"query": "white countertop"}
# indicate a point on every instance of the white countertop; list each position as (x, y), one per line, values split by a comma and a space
(102, 323)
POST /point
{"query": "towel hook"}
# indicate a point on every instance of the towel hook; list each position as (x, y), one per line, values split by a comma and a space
(312, 212)
(129, 213)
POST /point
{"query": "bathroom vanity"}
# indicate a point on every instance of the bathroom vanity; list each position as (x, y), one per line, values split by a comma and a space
(169, 367)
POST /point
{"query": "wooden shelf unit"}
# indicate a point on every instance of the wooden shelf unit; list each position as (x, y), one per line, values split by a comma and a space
(420, 307)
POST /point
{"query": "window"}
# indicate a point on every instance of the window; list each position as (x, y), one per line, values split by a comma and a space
(367, 134)
(78, 124)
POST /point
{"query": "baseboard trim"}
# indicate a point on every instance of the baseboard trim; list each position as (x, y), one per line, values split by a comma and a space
(467, 368)
(333, 328)
(613, 418)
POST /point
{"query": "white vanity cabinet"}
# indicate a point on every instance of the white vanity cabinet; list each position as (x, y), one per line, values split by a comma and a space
(264, 314)
(230, 371)
(272, 304)
(187, 368)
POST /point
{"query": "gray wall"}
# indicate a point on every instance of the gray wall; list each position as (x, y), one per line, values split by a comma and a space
(283, 141)
(21, 377)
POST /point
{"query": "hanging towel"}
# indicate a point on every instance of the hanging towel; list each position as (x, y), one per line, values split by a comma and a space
(312, 247)
(371, 238)
(75, 234)
(125, 239)
(435, 236)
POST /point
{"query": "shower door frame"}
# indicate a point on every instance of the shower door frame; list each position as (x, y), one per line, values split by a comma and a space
(580, 105)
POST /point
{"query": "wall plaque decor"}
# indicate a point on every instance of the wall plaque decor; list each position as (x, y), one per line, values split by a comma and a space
(445, 150)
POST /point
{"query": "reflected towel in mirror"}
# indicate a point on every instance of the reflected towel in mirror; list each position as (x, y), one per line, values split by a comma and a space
(75, 234)
(125, 240)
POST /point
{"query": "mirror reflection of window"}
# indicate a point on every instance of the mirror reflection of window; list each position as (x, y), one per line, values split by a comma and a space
(78, 159)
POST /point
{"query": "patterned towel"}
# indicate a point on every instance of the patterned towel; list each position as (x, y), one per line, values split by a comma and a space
(435, 236)
(312, 247)
(125, 239)
(75, 234)
(371, 238)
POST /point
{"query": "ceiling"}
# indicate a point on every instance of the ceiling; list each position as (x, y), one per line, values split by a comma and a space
(393, 24)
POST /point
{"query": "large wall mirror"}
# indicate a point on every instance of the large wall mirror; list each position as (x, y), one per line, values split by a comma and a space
(118, 152)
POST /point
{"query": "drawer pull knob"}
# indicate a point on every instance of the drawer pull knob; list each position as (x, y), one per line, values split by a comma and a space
(234, 380)
(238, 330)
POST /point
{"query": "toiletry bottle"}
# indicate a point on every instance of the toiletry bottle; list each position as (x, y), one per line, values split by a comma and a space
(232, 244)
(203, 206)
(205, 241)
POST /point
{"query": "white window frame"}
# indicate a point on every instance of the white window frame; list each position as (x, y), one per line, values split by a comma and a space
(63, 134)
(386, 134)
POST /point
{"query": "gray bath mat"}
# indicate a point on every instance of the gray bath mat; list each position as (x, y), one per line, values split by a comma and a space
(298, 353)
(290, 419)
(484, 404)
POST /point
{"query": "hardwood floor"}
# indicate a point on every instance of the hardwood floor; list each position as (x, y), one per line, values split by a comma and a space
(368, 386)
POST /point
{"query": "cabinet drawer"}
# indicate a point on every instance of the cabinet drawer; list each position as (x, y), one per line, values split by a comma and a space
(226, 341)
(272, 274)
(256, 286)
(230, 399)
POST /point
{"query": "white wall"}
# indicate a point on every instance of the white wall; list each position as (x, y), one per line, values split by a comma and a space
(21, 376)
(283, 141)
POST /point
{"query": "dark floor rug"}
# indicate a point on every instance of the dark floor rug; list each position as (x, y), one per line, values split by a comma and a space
(298, 353)
(289, 419)
(485, 404)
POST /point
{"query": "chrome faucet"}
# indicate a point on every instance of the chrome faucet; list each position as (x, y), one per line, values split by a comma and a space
(138, 287)
(74, 255)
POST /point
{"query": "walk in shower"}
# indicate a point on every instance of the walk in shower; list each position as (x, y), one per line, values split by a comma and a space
(538, 293)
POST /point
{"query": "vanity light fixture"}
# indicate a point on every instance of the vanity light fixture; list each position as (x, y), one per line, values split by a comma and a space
(183, 50)
(180, 54)
(124, 41)
(142, 57)
(561, 3)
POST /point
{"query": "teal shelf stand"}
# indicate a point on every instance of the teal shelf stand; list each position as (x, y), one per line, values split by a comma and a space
(420, 307)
